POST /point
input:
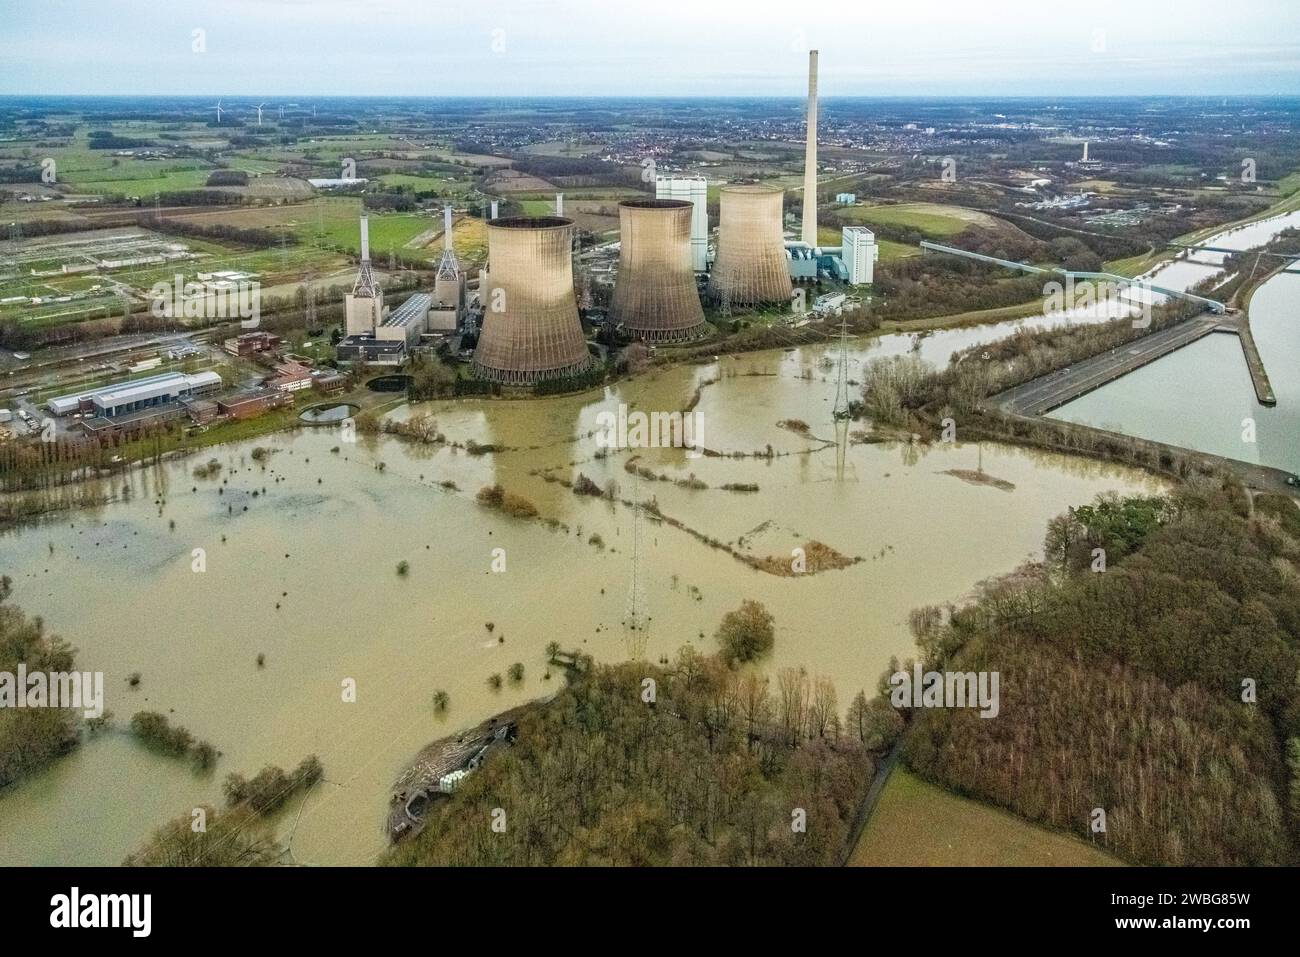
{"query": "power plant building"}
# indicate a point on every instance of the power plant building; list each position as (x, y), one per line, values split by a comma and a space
(406, 323)
(655, 297)
(860, 252)
(752, 267)
(531, 331)
(694, 190)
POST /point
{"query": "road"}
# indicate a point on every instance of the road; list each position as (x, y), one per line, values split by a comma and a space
(1055, 389)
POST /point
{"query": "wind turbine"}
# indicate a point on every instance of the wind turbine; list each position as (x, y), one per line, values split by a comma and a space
(259, 112)
(218, 109)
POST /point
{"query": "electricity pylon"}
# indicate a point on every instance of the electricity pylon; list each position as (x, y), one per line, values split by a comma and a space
(841, 407)
(636, 622)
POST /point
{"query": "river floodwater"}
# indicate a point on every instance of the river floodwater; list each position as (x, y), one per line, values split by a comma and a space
(305, 573)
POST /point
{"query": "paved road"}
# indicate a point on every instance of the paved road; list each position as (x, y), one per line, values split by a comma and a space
(1055, 389)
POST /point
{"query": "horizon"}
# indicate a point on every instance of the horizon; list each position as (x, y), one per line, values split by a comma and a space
(703, 97)
(559, 48)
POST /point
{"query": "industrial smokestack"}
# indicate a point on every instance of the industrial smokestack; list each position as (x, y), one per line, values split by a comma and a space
(365, 238)
(559, 204)
(1085, 151)
(752, 266)
(810, 157)
(531, 330)
(655, 296)
(446, 228)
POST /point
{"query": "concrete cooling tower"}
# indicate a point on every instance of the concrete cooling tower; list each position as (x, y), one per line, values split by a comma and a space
(655, 296)
(751, 268)
(531, 329)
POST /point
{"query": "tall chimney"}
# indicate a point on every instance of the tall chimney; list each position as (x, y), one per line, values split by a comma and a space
(365, 238)
(1085, 151)
(810, 157)
(559, 204)
(446, 228)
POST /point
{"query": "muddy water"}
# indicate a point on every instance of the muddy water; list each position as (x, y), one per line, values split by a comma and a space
(324, 541)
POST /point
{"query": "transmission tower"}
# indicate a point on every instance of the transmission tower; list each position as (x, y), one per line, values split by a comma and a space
(311, 302)
(636, 623)
(841, 408)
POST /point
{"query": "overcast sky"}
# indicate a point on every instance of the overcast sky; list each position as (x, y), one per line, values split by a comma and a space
(643, 48)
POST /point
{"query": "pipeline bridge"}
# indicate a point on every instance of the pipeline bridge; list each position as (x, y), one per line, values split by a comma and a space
(1212, 304)
(1191, 247)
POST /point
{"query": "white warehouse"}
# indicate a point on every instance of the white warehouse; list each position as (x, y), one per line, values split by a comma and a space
(125, 397)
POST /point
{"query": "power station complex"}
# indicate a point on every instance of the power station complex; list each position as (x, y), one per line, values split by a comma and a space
(531, 331)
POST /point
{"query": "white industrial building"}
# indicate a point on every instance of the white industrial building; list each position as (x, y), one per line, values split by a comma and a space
(860, 253)
(831, 303)
(695, 190)
(407, 322)
(126, 397)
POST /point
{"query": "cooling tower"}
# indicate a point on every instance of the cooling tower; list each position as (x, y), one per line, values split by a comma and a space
(654, 297)
(531, 329)
(752, 267)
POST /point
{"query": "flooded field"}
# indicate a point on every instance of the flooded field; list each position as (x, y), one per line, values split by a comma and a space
(302, 551)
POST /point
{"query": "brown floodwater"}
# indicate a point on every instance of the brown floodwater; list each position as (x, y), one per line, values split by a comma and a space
(307, 575)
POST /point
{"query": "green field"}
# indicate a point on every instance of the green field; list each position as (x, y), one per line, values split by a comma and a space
(892, 250)
(917, 824)
(538, 207)
(164, 181)
(387, 230)
(830, 236)
(100, 171)
(1135, 265)
(939, 222)
(439, 184)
